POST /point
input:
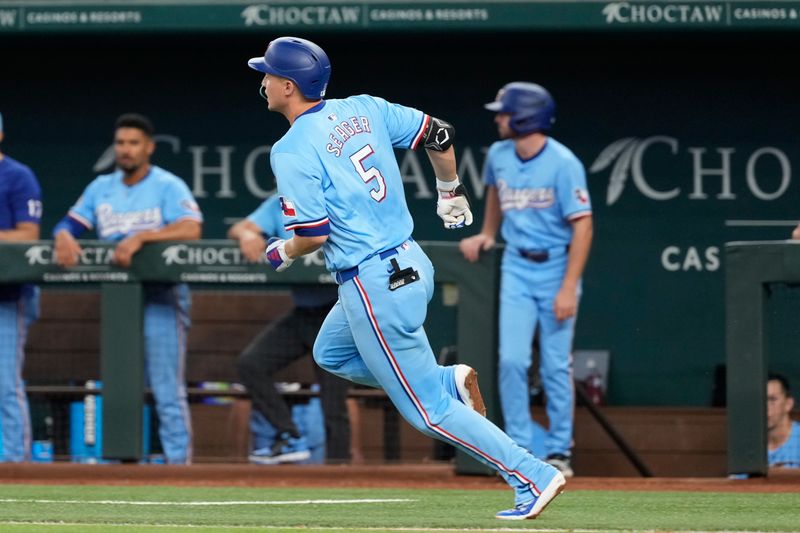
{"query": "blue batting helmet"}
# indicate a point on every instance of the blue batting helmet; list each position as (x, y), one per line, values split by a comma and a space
(299, 60)
(531, 107)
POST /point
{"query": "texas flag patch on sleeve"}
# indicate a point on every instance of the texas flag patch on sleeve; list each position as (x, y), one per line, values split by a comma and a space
(287, 207)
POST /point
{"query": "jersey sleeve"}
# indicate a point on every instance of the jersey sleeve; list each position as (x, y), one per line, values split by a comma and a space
(179, 204)
(404, 124)
(26, 198)
(573, 195)
(269, 218)
(300, 196)
(84, 209)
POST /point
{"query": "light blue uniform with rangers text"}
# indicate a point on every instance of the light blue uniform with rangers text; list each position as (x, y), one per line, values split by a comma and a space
(539, 199)
(117, 211)
(20, 201)
(338, 176)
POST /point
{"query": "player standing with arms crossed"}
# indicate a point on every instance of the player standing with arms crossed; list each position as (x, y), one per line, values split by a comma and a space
(537, 188)
(136, 204)
(20, 214)
(341, 190)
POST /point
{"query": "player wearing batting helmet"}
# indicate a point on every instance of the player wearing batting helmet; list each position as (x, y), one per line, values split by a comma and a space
(20, 215)
(342, 191)
(535, 187)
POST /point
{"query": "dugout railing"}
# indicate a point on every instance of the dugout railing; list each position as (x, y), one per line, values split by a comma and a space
(219, 262)
(750, 269)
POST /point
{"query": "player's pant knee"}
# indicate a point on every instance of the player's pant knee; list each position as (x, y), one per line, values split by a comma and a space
(246, 369)
(513, 365)
(319, 353)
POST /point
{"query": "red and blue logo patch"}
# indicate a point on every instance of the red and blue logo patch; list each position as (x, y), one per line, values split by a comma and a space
(287, 207)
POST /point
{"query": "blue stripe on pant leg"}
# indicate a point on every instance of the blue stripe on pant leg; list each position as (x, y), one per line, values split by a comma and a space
(165, 356)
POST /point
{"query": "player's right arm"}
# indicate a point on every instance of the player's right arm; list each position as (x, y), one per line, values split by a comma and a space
(303, 209)
(252, 232)
(251, 241)
(80, 217)
(471, 247)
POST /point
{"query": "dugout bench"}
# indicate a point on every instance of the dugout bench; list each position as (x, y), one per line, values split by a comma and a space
(219, 262)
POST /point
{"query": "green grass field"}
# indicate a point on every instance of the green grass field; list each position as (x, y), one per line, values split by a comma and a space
(82, 508)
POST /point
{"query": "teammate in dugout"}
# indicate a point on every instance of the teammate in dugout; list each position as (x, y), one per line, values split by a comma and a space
(20, 215)
(341, 190)
(283, 341)
(136, 204)
(537, 188)
(783, 433)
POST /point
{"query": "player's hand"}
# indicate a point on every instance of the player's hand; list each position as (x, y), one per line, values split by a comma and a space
(796, 233)
(252, 246)
(123, 253)
(453, 205)
(66, 248)
(565, 304)
(472, 247)
(276, 253)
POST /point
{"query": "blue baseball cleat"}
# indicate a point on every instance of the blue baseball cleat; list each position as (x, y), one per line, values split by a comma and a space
(533, 508)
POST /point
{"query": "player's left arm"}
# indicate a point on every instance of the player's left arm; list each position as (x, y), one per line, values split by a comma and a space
(576, 206)
(453, 204)
(411, 128)
(23, 231)
(566, 301)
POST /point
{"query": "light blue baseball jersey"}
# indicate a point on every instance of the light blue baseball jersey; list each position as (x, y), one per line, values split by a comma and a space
(118, 211)
(788, 455)
(269, 219)
(539, 196)
(329, 157)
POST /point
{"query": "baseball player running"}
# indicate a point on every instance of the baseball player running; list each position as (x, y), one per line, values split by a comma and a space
(537, 188)
(136, 204)
(20, 214)
(341, 190)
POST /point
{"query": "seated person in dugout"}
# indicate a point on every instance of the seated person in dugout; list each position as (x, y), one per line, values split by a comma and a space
(783, 434)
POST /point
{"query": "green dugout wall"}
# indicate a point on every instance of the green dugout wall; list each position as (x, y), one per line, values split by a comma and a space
(472, 289)
(684, 126)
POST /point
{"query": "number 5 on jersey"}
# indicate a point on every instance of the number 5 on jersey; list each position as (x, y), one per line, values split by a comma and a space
(369, 174)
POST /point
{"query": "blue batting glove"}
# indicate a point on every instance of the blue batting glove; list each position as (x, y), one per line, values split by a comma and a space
(276, 253)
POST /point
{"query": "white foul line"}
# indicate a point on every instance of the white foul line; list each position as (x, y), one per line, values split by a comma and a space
(326, 528)
(203, 504)
(762, 223)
